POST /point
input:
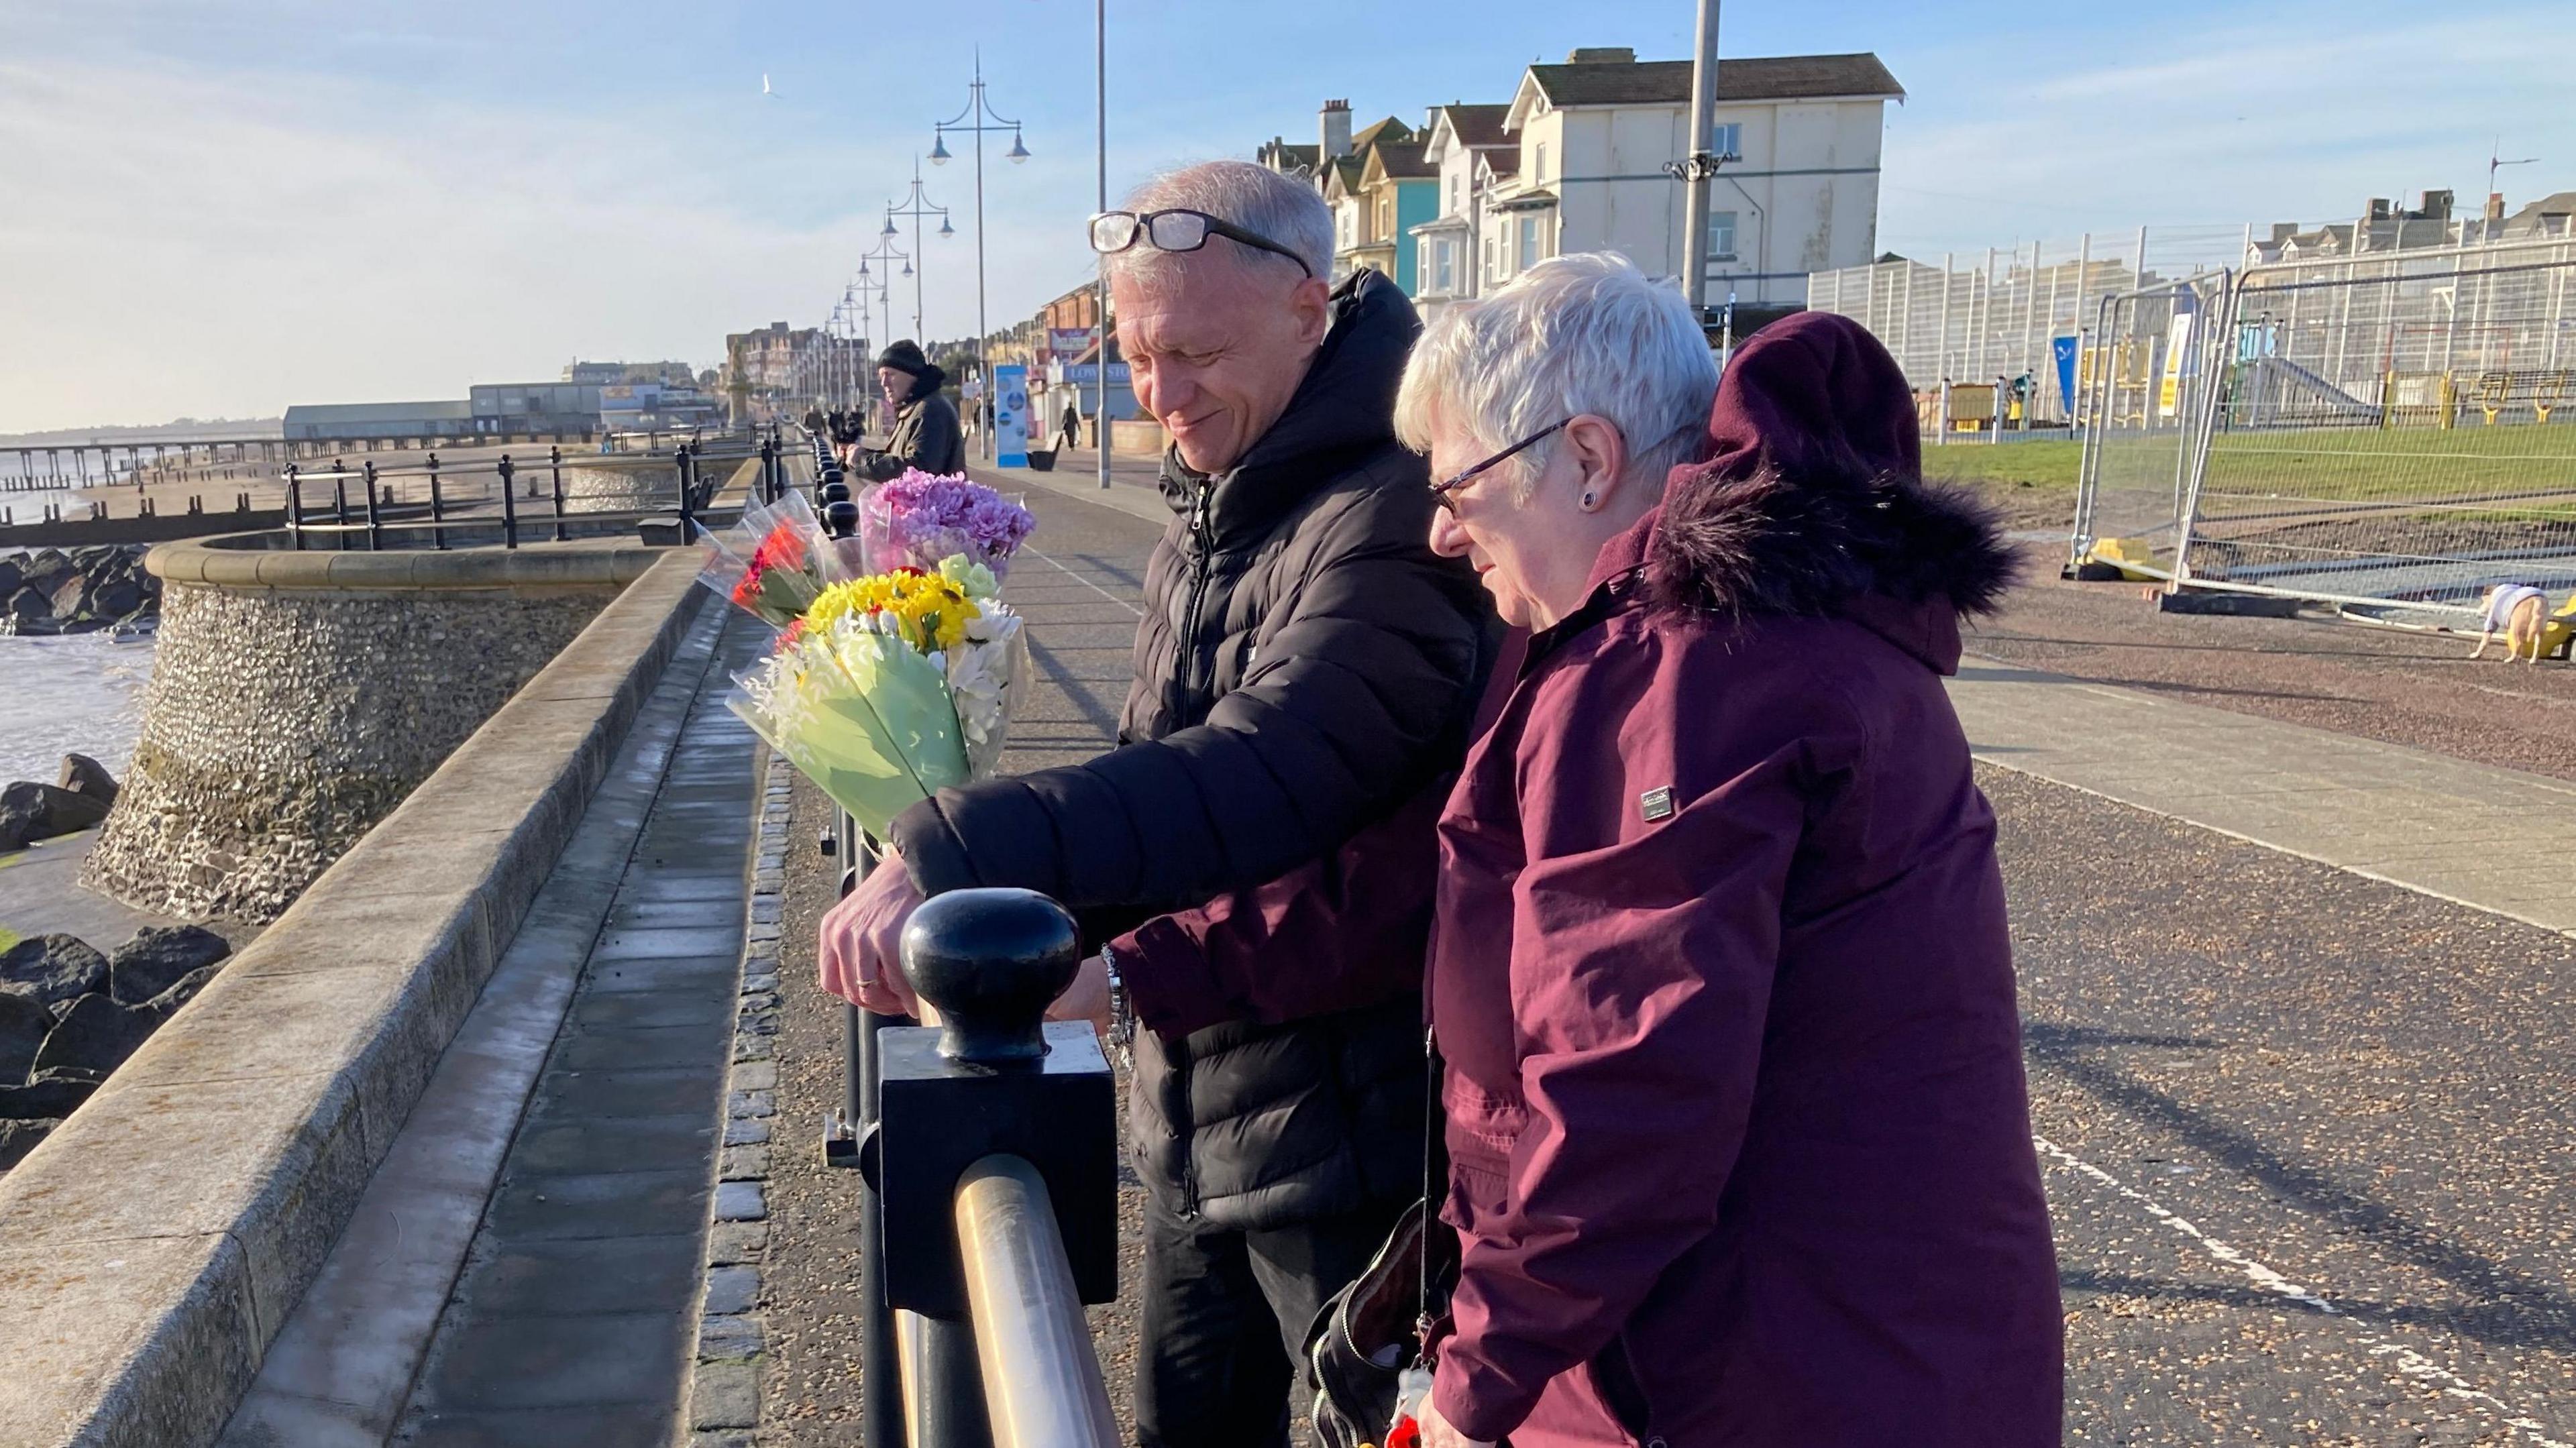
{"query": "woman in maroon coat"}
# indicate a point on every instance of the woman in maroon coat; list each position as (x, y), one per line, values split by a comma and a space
(1740, 1144)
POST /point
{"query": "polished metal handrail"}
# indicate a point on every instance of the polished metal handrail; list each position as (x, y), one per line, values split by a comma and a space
(1042, 1385)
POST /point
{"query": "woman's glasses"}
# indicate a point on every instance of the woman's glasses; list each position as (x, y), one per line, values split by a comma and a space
(1440, 491)
(1177, 230)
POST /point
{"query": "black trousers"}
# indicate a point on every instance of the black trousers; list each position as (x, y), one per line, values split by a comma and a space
(1225, 1313)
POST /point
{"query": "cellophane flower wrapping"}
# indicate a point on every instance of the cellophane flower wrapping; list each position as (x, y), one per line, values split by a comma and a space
(920, 519)
(891, 687)
(774, 562)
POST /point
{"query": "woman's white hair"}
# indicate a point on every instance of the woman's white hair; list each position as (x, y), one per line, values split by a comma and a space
(1256, 198)
(1582, 333)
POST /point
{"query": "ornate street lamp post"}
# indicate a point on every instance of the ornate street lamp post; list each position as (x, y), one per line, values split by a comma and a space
(978, 118)
(916, 206)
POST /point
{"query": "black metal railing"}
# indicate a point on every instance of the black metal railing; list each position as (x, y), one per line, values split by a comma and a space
(987, 1210)
(486, 502)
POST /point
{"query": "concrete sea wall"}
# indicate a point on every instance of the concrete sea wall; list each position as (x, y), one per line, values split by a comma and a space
(299, 697)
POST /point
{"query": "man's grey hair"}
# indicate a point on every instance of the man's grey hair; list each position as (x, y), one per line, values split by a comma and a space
(1581, 333)
(1256, 198)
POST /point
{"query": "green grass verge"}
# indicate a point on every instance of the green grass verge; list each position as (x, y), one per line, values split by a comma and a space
(2049, 464)
(8, 937)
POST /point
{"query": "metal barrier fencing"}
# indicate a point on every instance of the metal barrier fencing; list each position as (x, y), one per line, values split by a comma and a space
(2143, 382)
(1974, 321)
(2396, 433)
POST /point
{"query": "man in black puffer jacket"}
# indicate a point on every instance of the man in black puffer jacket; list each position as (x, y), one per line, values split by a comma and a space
(1305, 666)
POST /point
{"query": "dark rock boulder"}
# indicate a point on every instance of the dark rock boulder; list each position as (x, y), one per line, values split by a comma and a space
(45, 568)
(183, 990)
(17, 1138)
(83, 775)
(24, 1024)
(115, 598)
(70, 598)
(11, 574)
(97, 1034)
(52, 969)
(47, 1100)
(53, 809)
(158, 957)
(28, 611)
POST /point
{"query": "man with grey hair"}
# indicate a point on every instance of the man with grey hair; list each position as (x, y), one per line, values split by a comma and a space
(1304, 671)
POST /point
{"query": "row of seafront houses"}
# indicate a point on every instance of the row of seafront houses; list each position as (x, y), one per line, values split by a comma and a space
(1574, 161)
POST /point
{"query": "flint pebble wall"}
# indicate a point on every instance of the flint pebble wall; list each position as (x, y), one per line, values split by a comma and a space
(298, 697)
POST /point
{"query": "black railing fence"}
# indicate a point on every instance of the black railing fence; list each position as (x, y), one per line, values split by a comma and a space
(439, 504)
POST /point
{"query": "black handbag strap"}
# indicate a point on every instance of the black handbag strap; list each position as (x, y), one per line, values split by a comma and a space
(1433, 1297)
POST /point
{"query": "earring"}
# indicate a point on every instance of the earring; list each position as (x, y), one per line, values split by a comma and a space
(1587, 502)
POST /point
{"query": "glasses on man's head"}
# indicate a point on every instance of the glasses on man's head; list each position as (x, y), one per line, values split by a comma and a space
(1440, 491)
(1178, 229)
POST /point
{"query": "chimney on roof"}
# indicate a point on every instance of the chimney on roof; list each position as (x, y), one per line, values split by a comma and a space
(2436, 206)
(2495, 206)
(1601, 55)
(1336, 132)
(2377, 210)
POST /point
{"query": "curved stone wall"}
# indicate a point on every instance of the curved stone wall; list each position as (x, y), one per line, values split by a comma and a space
(298, 697)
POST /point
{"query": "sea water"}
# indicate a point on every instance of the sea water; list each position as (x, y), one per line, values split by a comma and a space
(77, 693)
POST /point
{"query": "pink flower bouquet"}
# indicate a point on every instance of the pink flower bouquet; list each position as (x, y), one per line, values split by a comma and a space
(920, 520)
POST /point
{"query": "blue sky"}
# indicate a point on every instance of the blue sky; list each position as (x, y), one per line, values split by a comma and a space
(219, 207)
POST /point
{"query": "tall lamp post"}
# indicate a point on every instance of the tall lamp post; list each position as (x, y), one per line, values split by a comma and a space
(978, 118)
(1100, 350)
(888, 253)
(1695, 169)
(916, 206)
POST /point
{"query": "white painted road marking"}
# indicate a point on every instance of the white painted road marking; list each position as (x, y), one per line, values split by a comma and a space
(1085, 582)
(2407, 1360)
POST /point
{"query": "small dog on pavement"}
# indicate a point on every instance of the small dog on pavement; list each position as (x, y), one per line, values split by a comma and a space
(2516, 608)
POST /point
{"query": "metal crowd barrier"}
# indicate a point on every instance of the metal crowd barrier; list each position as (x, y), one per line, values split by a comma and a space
(987, 1207)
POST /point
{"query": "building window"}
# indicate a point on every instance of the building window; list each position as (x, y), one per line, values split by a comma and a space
(1727, 140)
(1443, 265)
(1529, 241)
(1489, 258)
(1539, 172)
(1457, 189)
(1721, 236)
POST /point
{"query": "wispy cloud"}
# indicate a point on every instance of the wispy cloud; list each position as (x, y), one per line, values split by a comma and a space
(2293, 119)
(221, 244)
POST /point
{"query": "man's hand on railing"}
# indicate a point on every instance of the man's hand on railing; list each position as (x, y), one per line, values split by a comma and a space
(1087, 999)
(861, 951)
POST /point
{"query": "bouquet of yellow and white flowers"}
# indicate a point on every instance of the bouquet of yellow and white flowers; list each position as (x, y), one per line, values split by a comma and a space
(891, 686)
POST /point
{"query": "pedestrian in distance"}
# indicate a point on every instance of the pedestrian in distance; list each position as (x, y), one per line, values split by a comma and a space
(1738, 1133)
(1305, 666)
(1069, 427)
(925, 434)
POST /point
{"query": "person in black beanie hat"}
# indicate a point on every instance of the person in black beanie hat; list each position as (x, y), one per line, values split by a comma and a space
(926, 434)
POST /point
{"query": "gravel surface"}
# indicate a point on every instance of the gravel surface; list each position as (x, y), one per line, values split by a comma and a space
(2416, 689)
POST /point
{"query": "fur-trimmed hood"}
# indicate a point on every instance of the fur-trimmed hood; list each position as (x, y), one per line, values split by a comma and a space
(1812, 499)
